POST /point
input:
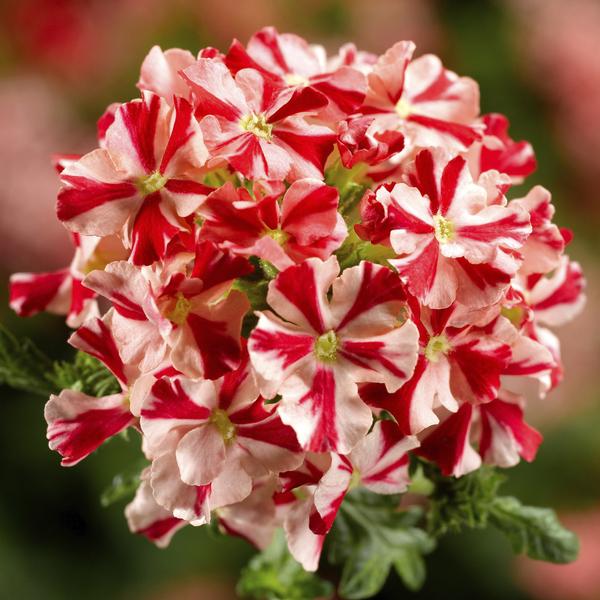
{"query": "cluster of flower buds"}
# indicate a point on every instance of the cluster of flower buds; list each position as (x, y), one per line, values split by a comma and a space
(302, 269)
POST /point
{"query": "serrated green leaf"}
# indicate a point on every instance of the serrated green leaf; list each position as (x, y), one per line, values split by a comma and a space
(370, 535)
(534, 531)
(275, 575)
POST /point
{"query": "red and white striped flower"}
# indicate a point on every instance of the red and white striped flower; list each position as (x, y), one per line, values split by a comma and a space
(379, 463)
(544, 247)
(195, 321)
(290, 59)
(314, 351)
(77, 423)
(142, 182)
(306, 223)
(430, 105)
(226, 423)
(457, 364)
(453, 241)
(256, 125)
(497, 428)
(62, 292)
(498, 152)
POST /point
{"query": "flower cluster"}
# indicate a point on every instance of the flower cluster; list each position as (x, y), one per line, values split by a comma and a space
(301, 270)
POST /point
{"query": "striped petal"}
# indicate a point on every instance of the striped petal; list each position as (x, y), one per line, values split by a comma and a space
(78, 424)
(96, 198)
(381, 459)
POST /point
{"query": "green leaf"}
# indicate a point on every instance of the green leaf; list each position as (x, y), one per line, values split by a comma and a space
(370, 535)
(123, 486)
(23, 366)
(275, 575)
(85, 374)
(534, 531)
(463, 502)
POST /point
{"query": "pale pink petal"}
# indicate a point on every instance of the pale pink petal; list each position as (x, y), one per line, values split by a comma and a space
(146, 517)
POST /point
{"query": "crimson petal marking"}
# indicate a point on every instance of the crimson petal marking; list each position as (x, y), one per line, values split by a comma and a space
(140, 119)
(160, 529)
(82, 194)
(400, 403)
(79, 424)
(79, 298)
(299, 286)
(308, 145)
(365, 353)
(31, 293)
(95, 338)
(449, 182)
(321, 400)
(169, 400)
(447, 444)
(378, 285)
(181, 132)
(302, 100)
(510, 418)
(465, 134)
(269, 430)
(220, 352)
(289, 348)
(151, 232)
(516, 159)
(216, 266)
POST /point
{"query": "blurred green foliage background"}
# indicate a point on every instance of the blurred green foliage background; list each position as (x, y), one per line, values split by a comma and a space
(62, 62)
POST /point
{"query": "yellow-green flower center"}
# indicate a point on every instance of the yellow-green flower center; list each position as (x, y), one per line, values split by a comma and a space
(403, 109)
(257, 124)
(281, 237)
(220, 419)
(437, 345)
(179, 310)
(515, 314)
(444, 229)
(326, 347)
(151, 183)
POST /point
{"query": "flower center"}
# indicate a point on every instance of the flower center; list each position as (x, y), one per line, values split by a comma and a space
(403, 109)
(151, 183)
(326, 347)
(437, 345)
(225, 427)
(179, 312)
(257, 124)
(281, 237)
(515, 314)
(293, 79)
(444, 229)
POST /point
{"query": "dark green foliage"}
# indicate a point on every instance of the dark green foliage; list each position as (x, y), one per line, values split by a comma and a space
(472, 501)
(463, 502)
(85, 374)
(23, 366)
(123, 486)
(275, 575)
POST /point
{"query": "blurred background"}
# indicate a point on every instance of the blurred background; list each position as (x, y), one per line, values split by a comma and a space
(63, 61)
